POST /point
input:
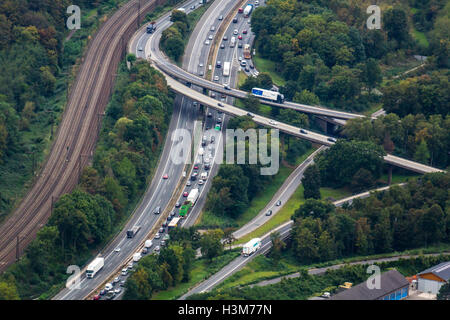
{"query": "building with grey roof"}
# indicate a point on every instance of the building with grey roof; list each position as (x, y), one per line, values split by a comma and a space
(432, 279)
(393, 286)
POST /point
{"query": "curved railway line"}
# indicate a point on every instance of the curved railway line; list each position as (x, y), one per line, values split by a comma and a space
(77, 133)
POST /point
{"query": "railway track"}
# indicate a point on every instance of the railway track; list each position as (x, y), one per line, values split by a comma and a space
(77, 133)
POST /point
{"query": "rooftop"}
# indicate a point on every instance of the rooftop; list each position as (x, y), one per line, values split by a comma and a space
(391, 280)
(442, 270)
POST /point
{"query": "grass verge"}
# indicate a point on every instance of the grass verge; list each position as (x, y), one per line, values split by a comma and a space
(265, 65)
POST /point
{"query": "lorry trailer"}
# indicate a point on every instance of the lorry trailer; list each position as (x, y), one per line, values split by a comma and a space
(268, 95)
(251, 247)
(94, 267)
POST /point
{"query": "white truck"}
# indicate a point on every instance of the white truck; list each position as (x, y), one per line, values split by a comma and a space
(204, 175)
(136, 256)
(248, 9)
(268, 94)
(94, 267)
(148, 244)
(226, 68)
(193, 196)
(251, 247)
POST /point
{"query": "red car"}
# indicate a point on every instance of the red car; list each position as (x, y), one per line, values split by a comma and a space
(195, 167)
(96, 297)
(165, 176)
(239, 37)
(244, 32)
(240, 10)
(185, 194)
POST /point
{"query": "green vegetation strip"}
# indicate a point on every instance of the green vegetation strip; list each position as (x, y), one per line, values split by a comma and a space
(288, 210)
(201, 270)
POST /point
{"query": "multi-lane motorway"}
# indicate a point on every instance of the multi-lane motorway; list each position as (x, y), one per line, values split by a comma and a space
(185, 113)
(158, 194)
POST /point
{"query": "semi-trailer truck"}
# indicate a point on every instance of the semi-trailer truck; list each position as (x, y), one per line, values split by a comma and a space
(248, 9)
(251, 247)
(226, 69)
(268, 95)
(132, 232)
(94, 267)
(189, 203)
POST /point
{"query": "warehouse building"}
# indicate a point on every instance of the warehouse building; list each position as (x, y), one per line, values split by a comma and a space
(393, 286)
(432, 279)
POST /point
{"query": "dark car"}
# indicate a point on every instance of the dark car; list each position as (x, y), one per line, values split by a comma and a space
(240, 44)
(247, 69)
(218, 64)
(235, 20)
(252, 66)
(220, 105)
(303, 131)
(269, 213)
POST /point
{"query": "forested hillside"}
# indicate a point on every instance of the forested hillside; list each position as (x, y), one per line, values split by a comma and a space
(36, 67)
(129, 146)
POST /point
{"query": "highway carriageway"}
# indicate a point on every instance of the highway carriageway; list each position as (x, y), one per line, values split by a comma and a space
(181, 74)
(311, 136)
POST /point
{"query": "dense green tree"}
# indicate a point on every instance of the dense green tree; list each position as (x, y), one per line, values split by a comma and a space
(311, 183)
(251, 103)
(362, 180)
(341, 162)
(396, 24)
(278, 246)
(210, 243)
(315, 209)
(444, 292)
